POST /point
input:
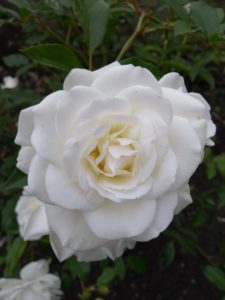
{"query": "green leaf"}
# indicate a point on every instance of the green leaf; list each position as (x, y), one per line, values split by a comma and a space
(106, 277)
(20, 3)
(14, 254)
(136, 264)
(53, 55)
(120, 268)
(221, 197)
(167, 255)
(8, 11)
(205, 74)
(93, 17)
(79, 269)
(16, 181)
(178, 7)
(15, 60)
(180, 27)
(220, 163)
(216, 276)
(207, 18)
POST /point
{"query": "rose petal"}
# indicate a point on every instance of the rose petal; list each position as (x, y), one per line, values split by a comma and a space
(44, 138)
(163, 216)
(67, 194)
(173, 80)
(164, 175)
(25, 126)
(187, 148)
(37, 225)
(120, 78)
(24, 158)
(121, 220)
(144, 101)
(77, 98)
(34, 269)
(36, 178)
(68, 230)
(184, 198)
(78, 77)
(183, 104)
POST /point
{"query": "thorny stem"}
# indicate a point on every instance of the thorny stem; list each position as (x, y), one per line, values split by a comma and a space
(136, 32)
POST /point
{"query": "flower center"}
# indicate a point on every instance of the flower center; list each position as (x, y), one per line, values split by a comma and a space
(116, 151)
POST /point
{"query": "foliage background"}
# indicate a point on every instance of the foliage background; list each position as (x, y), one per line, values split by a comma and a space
(40, 42)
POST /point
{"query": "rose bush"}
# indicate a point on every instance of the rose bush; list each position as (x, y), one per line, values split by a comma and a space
(35, 284)
(111, 155)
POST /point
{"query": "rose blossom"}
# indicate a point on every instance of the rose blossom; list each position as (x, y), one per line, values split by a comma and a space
(31, 217)
(111, 155)
(35, 283)
(10, 82)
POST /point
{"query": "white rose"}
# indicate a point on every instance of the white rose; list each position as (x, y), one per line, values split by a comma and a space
(111, 156)
(31, 217)
(9, 82)
(35, 283)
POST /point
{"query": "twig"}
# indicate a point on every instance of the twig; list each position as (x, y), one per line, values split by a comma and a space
(137, 31)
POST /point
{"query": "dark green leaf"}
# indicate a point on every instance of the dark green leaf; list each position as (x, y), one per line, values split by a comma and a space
(16, 181)
(120, 268)
(216, 276)
(8, 11)
(20, 3)
(15, 60)
(167, 255)
(14, 254)
(136, 264)
(93, 17)
(178, 7)
(206, 17)
(106, 277)
(220, 162)
(79, 269)
(53, 55)
(180, 27)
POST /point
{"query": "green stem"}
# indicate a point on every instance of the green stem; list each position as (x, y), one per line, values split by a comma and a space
(68, 35)
(131, 39)
(90, 59)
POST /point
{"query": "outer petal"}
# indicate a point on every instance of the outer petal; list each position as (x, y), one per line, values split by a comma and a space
(117, 79)
(84, 77)
(211, 128)
(44, 138)
(67, 194)
(173, 80)
(187, 148)
(121, 220)
(24, 158)
(25, 126)
(37, 226)
(164, 175)
(34, 269)
(36, 178)
(68, 230)
(78, 77)
(184, 198)
(162, 218)
(31, 217)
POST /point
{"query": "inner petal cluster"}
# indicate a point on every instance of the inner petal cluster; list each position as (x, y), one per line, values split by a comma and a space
(115, 152)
